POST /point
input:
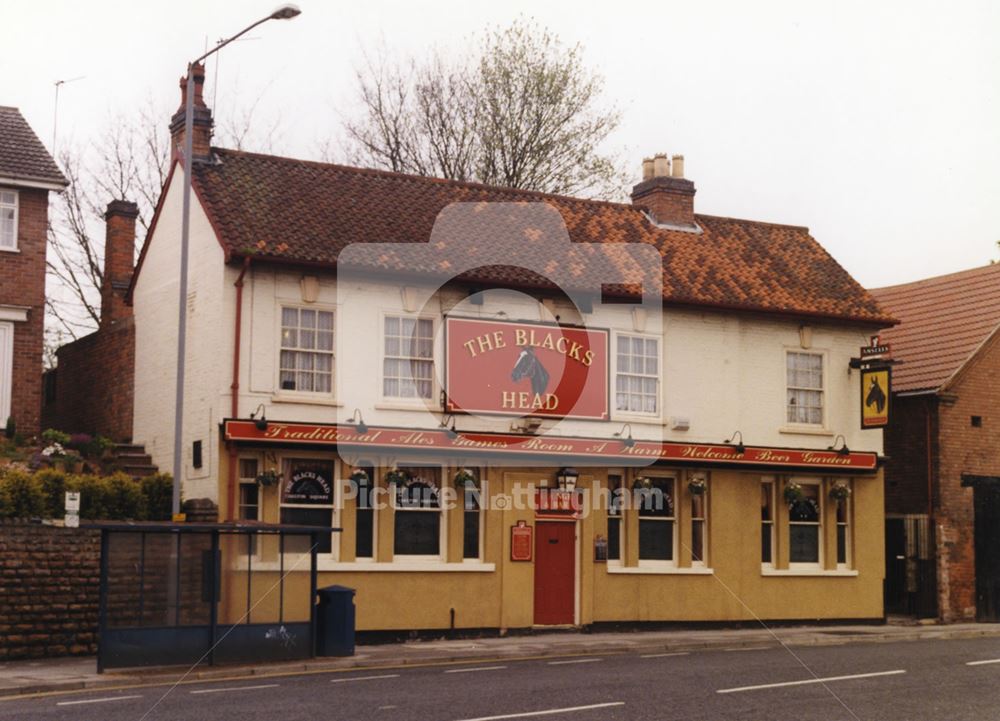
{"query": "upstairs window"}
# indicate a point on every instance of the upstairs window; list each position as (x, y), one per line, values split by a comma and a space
(408, 365)
(804, 380)
(638, 374)
(8, 220)
(306, 350)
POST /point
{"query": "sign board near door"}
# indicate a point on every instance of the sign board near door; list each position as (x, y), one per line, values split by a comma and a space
(521, 542)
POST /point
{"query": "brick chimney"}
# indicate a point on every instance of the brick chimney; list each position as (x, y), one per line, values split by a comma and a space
(201, 138)
(665, 192)
(119, 252)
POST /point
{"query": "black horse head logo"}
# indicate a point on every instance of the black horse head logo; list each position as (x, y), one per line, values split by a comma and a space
(876, 396)
(528, 366)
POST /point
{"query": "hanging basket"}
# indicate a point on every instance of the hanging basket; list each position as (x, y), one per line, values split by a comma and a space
(397, 477)
(465, 478)
(840, 492)
(697, 486)
(359, 477)
(793, 493)
(269, 477)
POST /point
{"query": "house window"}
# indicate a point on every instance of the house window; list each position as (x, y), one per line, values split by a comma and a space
(843, 531)
(306, 350)
(804, 526)
(615, 500)
(472, 518)
(767, 522)
(249, 501)
(698, 516)
(408, 365)
(804, 378)
(638, 374)
(418, 513)
(364, 523)
(8, 219)
(307, 497)
(655, 499)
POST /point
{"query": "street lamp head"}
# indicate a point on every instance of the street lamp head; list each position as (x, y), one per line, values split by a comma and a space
(286, 12)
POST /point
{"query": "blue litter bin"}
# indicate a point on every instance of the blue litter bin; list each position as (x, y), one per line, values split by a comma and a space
(335, 621)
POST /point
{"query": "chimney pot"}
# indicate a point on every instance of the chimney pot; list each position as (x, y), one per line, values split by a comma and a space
(201, 136)
(678, 166)
(647, 168)
(661, 166)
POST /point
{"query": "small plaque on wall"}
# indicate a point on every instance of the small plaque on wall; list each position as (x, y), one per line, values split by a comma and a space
(521, 542)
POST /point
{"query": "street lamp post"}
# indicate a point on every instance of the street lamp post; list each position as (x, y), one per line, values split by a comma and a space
(285, 12)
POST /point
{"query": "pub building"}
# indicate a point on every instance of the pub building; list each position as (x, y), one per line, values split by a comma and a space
(420, 364)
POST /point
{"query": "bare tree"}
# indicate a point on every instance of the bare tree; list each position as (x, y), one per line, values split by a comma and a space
(518, 109)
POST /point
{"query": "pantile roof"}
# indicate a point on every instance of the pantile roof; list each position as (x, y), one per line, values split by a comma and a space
(22, 155)
(294, 211)
(943, 322)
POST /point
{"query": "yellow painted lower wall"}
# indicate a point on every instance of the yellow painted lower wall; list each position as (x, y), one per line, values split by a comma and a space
(732, 586)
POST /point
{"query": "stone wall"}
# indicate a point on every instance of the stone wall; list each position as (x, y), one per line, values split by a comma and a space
(48, 590)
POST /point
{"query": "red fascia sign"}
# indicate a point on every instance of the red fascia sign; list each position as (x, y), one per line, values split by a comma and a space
(597, 450)
(521, 542)
(524, 368)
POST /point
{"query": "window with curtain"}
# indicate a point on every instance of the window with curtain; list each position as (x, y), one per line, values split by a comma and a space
(804, 380)
(804, 525)
(8, 219)
(655, 500)
(638, 373)
(417, 523)
(408, 362)
(306, 363)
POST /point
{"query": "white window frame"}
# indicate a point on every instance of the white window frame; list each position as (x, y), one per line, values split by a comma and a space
(13, 248)
(6, 370)
(620, 472)
(820, 544)
(703, 519)
(279, 324)
(824, 391)
(399, 401)
(284, 465)
(773, 480)
(613, 391)
(848, 512)
(460, 498)
(348, 469)
(441, 555)
(658, 563)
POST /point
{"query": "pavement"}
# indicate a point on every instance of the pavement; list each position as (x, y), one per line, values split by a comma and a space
(22, 679)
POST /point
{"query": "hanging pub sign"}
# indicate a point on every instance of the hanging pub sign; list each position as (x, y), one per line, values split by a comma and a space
(876, 396)
(526, 369)
(309, 483)
(875, 348)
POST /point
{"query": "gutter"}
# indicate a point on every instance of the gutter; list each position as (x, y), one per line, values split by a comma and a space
(234, 389)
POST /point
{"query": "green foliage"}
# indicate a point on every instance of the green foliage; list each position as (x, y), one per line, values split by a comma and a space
(123, 498)
(158, 491)
(10, 430)
(20, 495)
(51, 435)
(53, 487)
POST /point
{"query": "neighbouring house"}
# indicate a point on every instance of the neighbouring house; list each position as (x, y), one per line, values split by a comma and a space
(356, 335)
(943, 475)
(27, 175)
(90, 389)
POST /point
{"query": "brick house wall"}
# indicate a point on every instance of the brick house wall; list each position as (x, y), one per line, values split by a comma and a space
(906, 482)
(965, 448)
(23, 284)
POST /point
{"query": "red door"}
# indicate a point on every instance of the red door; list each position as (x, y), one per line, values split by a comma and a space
(555, 572)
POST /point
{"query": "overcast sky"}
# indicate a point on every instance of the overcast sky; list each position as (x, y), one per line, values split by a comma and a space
(875, 124)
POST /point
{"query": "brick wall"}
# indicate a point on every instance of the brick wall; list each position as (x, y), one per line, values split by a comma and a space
(94, 384)
(906, 446)
(49, 590)
(22, 283)
(965, 448)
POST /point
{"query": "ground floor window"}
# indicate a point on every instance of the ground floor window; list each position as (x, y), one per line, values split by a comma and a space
(805, 514)
(840, 493)
(655, 500)
(767, 522)
(698, 516)
(249, 499)
(417, 524)
(307, 496)
(615, 502)
(469, 488)
(363, 479)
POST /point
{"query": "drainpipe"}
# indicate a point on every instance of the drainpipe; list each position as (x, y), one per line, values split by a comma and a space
(234, 388)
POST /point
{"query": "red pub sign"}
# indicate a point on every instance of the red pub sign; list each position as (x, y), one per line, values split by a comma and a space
(526, 369)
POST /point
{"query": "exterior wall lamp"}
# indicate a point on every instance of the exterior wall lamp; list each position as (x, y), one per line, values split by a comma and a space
(261, 422)
(357, 419)
(843, 450)
(567, 478)
(740, 448)
(449, 429)
(628, 441)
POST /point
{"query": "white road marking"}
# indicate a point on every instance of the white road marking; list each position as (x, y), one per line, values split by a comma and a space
(364, 678)
(982, 663)
(665, 655)
(547, 712)
(472, 670)
(809, 681)
(575, 660)
(235, 688)
(748, 648)
(96, 700)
